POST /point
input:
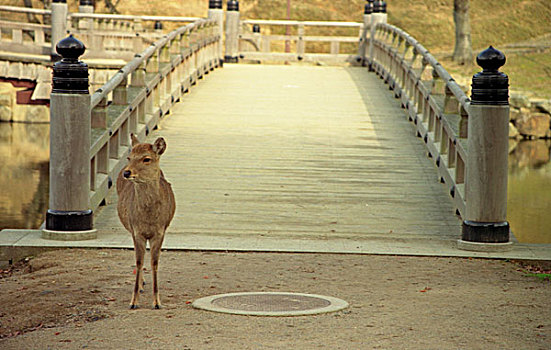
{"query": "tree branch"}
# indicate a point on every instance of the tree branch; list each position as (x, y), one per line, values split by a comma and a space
(111, 7)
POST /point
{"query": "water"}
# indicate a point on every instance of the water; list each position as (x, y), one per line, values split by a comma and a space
(24, 182)
(23, 174)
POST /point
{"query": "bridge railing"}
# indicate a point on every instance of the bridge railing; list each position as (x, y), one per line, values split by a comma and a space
(107, 36)
(466, 138)
(119, 36)
(22, 36)
(435, 103)
(132, 101)
(143, 91)
(256, 44)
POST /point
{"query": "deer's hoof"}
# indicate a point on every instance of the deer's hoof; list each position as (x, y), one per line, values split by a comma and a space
(157, 306)
(133, 307)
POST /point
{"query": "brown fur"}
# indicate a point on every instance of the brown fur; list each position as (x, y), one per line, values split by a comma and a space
(146, 207)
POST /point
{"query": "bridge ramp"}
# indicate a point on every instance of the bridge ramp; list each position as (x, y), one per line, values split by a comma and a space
(262, 152)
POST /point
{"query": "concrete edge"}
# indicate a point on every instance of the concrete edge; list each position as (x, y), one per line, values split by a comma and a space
(14, 242)
(484, 247)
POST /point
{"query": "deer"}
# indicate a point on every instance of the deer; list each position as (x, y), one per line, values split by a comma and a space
(146, 207)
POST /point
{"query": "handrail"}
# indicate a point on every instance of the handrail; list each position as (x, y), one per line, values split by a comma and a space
(141, 58)
(140, 93)
(133, 17)
(305, 23)
(18, 9)
(431, 60)
(435, 103)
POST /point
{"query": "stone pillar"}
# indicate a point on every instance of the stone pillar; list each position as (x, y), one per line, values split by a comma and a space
(217, 12)
(86, 6)
(485, 222)
(232, 32)
(378, 16)
(69, 216)
(368, 10)
(59, 25)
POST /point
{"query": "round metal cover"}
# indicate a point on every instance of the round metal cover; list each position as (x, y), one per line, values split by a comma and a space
(270, 304)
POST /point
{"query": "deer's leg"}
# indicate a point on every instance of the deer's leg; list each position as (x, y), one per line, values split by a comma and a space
(139, 249)
(155, 244)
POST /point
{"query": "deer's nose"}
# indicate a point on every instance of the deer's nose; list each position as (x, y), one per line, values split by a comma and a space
(126, 174)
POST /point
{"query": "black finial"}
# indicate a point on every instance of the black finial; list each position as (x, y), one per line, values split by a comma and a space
(379, 6)
(158, 25)
(368, 8)
(215, 4)
(86, 3)
(490, 87)
(233, 5)
(256, 28)
(70, 75)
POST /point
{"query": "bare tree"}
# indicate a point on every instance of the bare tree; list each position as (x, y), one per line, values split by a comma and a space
(463, 52)
(112, 7)
(31, 17)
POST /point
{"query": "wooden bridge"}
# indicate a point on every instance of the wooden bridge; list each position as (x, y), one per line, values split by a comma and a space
(369, 148)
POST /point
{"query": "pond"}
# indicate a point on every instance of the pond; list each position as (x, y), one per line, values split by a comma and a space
(24, 182)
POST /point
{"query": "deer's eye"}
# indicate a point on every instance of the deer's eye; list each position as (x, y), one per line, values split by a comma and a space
(147, 160)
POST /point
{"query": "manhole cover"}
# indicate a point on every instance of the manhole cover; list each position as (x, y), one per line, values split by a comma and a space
(270, 304)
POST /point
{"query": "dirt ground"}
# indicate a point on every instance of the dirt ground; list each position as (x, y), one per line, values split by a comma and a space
(78, 299)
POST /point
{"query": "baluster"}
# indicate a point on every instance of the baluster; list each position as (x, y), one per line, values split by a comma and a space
(39, 36)
(300, 43)
(99, 115)
(120, 93)
(138, 25)
(17, 36)
(335, 47)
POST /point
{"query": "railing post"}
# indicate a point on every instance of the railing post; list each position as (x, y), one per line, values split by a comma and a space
(378, 16)
(216, 12)
(59, 25)
(368, 10)
(301, 46)
(86, 6)
(485, 226)
(232, 31)
(158, 27)
(69, 216)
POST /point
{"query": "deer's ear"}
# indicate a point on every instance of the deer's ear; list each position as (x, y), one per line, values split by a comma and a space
(159, 146)
(135, 140)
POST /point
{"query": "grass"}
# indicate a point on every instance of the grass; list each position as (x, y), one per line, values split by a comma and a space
(541, 276)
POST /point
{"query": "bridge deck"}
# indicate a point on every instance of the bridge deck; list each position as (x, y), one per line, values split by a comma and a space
(303, 152)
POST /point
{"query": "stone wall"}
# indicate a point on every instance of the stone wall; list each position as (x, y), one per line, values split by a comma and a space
(10, 111)
(529, 118)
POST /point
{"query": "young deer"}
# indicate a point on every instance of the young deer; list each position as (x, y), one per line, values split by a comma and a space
(146, 207)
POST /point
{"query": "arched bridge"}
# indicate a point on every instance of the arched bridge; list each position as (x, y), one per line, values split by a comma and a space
(374, 150)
